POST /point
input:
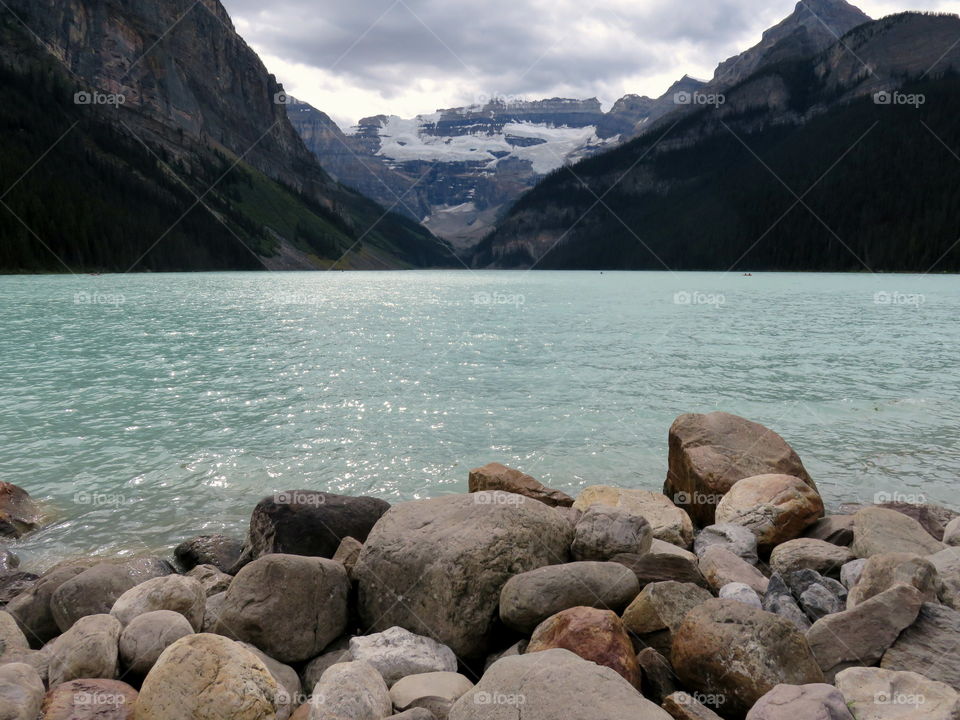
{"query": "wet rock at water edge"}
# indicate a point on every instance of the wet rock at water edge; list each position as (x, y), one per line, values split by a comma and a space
(495, 476)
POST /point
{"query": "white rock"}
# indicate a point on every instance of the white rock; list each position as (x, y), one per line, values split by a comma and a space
(88, 650)
(396, 653)
(877, 694)
(351, 691)
(741, 592)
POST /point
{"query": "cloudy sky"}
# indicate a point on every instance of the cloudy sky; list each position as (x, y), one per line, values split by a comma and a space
(355, 58)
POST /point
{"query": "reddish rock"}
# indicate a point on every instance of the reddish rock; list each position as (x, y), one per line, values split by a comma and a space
(777, 508)
(495, 476)
(90, 700)
(710, 453)
(595, 635)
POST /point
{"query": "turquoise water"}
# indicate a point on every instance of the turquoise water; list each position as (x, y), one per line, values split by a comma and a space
(144, 409)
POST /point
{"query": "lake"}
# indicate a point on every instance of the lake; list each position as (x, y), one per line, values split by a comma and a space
(145, 409)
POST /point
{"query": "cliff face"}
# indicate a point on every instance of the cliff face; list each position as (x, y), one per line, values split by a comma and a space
(693, 197)
(194, 93)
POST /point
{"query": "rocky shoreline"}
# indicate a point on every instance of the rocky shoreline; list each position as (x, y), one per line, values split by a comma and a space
(732, 595)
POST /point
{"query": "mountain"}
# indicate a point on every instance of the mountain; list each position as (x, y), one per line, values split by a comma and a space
(456, 169)
(839, 160)
(181, 152)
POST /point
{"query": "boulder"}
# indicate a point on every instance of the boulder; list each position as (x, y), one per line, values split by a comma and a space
(877, 694)
(951, 534)
(211, 611)
(595, 635)
(90, 700)
(208, 677)
(930, 647)
(806, 553)
(683, 706)
(289, 691)
(779, 600)
(14, 582)
(862, 635)
(878, 530)
(337, 652)
(710, 453)
(605, 531)
(21, 692)
(933, 518)
(396, 653)
(437, 567)
(19, 514)
(947, 564)
(663, 606)
(738, 654)
(495, 476)
(652, 568)
(293, 625)
(39, 660)
(800, 581)
(553, 684)
(434, 691)
(741, 592)
(721, 567)
(834, 529)
(882, 572)
(658, 679)
(95, 590)
(668, 522)
(776, 508)
(145, 638)
(348, 553)
(818, 601)
(220, 551)
(88, 650)
(801, 702)
(31, 608)
(178, 593)
(308, 522)
(212, 580)
(660, 547)
(531, 597)
(12, 637)
(735, 538)
(852, 571)
(351, 691)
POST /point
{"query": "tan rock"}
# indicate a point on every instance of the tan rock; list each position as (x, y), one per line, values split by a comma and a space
(669, 522)
(595, 635)
(808, 553)
(878, 694)
(879, 530)
(683, 706)
(495, 476)
(21, 692)
(90, 700)
(87, 650)
(721, 567)
(776, 508)
(710, 453)
(348, 553)
(882, 572)
(663, 606)
(435, 691)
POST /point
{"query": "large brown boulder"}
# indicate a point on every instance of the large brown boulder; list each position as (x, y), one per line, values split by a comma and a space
(710, 453)
(308, 522)
(437, 567)
(495, 476)
(810, 554)
(208, 677)
(89, 649)
(656, 567)
(878, 530)
(552, 685)
(737, 653)
(595, 635)
(777, 508)
(882, 572)
(667, 521)
(289, 606)
(19, 514)
(930, 647)
(90, 700)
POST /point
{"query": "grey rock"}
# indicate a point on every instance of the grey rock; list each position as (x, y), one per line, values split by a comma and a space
(659, 680)
(741, 592)
(801, 702)
(553, 684)
(31, 608)
(89, 649)
(721, 567)
(337, 652)
(835, 529)
(802, 580)
(947, 563)
(862, 635)
(930, 647)
(147, 636)
(293, 625)
(437, 567)
(13, 583)
(348, 553)
(879, 530)
(786, 607)
(290, 693)
(11, 636)
(888, 569)
(809, 554)
(21, 692)
(605, 531)
(351, 691)
(220, 551)
(951, 535)
(932, 518)
(661, 547)
(652, 568)
(178, 593)
(817, 602)
(213, 581)
(851, 572)
(211, 611)
(435, 691)
(530, 598)
(396, 653)
(735, 538)
(878, 694)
